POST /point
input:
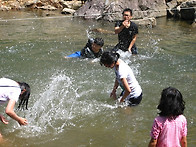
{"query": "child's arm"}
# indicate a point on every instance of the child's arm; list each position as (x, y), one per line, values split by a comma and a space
(10, 111)
(113, 93)
(127, 89)
(152, 143)
(183, 142)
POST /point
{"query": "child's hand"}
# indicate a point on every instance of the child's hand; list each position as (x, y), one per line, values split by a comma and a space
(121, 99)
(22, 121)
(113, 94)
(2, 118)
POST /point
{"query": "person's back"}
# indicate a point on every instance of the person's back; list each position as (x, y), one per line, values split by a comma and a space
(170, 127)
(171, 131)
(9, 89)
(125, 71)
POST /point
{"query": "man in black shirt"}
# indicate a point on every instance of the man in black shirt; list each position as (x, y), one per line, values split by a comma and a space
(127, 33)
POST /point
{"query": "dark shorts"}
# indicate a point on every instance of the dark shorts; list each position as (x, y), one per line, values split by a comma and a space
(135, 101)
(134, 50)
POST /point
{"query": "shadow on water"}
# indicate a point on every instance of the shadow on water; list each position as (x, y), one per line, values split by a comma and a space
(70, 104)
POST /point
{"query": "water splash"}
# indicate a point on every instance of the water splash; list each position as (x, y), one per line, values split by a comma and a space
(58, 106)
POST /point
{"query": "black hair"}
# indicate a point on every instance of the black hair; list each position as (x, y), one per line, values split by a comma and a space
(109, 57)
(24, 98)
(129, 10)
(99, 41)
(171, 103)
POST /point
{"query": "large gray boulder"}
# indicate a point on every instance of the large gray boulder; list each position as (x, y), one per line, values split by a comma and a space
(112, 9)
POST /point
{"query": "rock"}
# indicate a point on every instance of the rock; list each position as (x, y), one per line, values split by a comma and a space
(67, 11)
(29, 3)
(71, 4)
(182, 9)
(179, 2)
(193, 24)
(188, 10)
(47, 7)
(111, 10)
(91, 9)
(151, 22)
(5, 8)
(170, 8)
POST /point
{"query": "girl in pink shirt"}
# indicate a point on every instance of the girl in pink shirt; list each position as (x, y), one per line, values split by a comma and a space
(170, 127)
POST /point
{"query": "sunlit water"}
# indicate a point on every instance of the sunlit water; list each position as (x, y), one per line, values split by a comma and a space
(70, 105)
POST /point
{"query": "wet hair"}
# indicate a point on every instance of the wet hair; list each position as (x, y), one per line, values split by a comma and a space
(171, 103)
(99, 41)
(24, 98)
(129, 10)
(109, 57)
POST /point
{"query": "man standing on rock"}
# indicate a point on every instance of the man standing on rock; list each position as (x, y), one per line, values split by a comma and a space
(127, 33)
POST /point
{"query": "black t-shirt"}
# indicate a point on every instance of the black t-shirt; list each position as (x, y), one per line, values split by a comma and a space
(126, 35)
(87, 52)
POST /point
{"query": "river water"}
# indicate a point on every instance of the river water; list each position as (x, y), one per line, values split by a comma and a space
(69, 104)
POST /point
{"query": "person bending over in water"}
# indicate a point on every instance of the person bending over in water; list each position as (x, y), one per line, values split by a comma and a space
(132, 93)
(93, 49)
(12, 91)
(170, 127)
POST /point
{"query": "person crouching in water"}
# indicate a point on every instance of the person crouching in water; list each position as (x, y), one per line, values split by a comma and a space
(132, 92)
(12, 91)
(93, 48)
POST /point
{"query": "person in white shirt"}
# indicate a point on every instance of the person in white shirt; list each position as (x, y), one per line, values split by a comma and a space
(10, 92)
(132, 92)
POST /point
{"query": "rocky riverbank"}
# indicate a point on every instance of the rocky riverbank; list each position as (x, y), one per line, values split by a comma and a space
(145, 12)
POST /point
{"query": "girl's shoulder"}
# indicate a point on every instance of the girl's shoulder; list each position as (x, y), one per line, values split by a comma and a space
(163, 119)
(160, 118)
(181, 117)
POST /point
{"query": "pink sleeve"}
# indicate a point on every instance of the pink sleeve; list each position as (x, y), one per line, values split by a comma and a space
(155, 130)
(184, 133)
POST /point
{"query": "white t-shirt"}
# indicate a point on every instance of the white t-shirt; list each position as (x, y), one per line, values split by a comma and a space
(9, 89)
(124, 71)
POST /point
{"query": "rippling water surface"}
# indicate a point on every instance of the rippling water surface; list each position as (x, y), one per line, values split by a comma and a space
(70, 105)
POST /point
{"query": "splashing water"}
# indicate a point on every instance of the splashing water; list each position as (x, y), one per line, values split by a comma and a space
(57, 107)
(70, 102)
